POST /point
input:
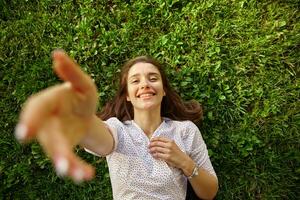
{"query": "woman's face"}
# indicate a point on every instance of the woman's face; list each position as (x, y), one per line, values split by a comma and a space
(144, 86)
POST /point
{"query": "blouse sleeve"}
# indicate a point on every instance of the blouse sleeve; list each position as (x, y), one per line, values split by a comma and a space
(196, 148)
(114, 125)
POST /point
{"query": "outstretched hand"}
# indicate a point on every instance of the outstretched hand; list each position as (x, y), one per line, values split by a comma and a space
(59, 117)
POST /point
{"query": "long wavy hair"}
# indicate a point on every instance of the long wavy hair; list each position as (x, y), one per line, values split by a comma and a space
(172, 106)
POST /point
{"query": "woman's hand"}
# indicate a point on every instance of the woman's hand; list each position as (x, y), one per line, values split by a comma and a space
(167, 150)
(204, 184)
(59, 117)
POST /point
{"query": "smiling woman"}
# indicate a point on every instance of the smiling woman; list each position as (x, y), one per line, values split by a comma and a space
(150, 142)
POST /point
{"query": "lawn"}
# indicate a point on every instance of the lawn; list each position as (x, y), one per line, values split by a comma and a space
(238, 58)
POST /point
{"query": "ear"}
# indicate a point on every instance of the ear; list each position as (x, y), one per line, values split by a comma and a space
(164, 93)
(127, 98)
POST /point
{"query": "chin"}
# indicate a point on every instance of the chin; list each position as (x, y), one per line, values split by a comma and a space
(149, 106)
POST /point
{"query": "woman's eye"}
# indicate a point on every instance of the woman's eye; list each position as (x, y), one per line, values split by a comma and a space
(135, 81)
(153, 79)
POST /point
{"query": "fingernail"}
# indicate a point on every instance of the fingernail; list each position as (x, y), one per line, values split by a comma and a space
(20, 132)
(62, 166)
(57, 50)
(78, 175)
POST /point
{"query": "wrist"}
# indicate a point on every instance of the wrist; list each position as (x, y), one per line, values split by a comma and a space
(188, 167)
(194, 173)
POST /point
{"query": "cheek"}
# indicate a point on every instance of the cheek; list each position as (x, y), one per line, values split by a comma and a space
(160, 88)
(130, 92)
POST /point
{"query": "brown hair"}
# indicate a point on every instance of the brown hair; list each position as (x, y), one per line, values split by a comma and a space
(172, 105)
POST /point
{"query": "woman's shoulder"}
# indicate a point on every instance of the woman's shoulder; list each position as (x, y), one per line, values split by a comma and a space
(112, 119)
(186, 129)
(116, 122)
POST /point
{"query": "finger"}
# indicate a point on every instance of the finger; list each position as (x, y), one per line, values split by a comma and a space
(81, 171)
(159, 149)
(68, 70)
(162, 156)
(162, 139)
(158, 144)
(39, 108)
(68, 164)
(60, 151)
(162, 142)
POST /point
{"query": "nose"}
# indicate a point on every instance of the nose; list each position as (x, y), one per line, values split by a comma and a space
(144, 84)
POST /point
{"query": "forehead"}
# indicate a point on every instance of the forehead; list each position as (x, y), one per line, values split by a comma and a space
(142, 69)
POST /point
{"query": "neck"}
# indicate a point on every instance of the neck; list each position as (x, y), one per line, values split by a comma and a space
(148, 120)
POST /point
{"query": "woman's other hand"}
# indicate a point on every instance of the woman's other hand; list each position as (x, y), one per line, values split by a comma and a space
(167, 150)
(59, 116)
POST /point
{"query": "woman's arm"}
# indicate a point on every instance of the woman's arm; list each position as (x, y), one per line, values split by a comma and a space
(204, 184)
(98, 139)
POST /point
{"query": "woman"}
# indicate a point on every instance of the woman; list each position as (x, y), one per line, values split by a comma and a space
(150, 146)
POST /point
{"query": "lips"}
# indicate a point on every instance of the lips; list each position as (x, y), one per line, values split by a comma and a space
(145, 95)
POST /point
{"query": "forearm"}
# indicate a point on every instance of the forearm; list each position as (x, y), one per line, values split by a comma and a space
(204, 184)
(98, 138)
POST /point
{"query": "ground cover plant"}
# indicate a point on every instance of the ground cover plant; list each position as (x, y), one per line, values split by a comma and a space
(239, 58)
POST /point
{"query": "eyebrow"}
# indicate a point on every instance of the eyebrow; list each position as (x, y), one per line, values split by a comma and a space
(149, 74)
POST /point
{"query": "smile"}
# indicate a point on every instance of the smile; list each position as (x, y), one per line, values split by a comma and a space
(145, 95)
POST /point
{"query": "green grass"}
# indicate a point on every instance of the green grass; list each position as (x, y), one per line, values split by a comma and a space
(240, 59)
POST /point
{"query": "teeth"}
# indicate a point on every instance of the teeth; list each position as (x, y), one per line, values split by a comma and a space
(146, 95)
